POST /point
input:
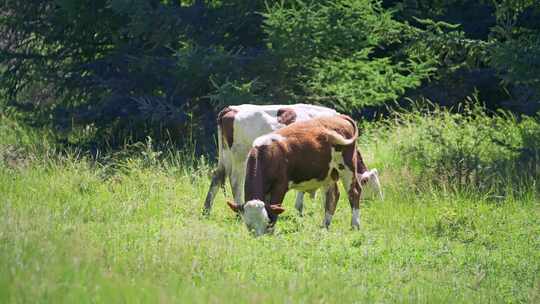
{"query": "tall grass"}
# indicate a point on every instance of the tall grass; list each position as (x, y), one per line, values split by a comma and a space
(466, 150)
(126, 227)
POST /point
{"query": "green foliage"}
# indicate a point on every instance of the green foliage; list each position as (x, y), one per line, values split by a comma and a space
(468, 149)
(328, 51)
(457, 223)
(446, 47)
(519, 58)
(102, 73)
(358, 81)
(235, 92)
(488, 37)
(327, 29)
(143, 69)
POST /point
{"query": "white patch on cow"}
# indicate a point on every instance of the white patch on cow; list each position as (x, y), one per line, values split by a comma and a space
(256, 217)
(336, 160)
(250, 125)
(237, 183)
(306, 112)
(267, 139)
(373, 185)
(303, 111)
(314, 184)
(346, 176)
(355, 222)
(366, 175)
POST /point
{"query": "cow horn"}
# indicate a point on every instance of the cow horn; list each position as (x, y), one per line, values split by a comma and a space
(276, 208)
(236, 207)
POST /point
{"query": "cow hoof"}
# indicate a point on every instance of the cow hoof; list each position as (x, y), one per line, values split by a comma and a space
(325, 226)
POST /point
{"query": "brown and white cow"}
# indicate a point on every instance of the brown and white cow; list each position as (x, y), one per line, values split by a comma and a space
(304, 156)
(239, 126)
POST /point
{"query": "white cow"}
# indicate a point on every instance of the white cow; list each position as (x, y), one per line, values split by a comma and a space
(239, 126)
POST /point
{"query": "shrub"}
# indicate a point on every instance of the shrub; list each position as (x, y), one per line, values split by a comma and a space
(468, 147)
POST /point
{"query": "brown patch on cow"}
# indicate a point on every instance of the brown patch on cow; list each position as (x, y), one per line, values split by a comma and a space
(354, 194)
(304, 155)
(363, 181)
(360, 165)
(332, 197)
(235, 207)
(315, 149)
(275, 208)
(349, 156)
(286, 116)
(225, 122)
(347, 128)
(255, 171)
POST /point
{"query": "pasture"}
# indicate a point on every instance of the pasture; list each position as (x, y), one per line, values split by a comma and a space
(109, 116)
(128, 228)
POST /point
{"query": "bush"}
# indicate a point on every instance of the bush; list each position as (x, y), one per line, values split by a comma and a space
(467, 148)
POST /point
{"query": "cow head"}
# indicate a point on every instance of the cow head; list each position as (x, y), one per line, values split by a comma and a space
(371, 180)
(255, 214)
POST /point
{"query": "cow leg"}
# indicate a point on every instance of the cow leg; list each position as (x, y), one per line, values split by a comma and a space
(299, 204)
(331, 198)
(218, 179)
(237, 185)
(354, 190)
(354, 199)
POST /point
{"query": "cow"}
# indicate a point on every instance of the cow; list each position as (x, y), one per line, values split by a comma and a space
(305, 156)
(239, 126)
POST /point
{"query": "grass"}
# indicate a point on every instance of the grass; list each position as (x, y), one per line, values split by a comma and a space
(72, 230)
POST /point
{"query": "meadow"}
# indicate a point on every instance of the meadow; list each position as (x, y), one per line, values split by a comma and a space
(126, 226)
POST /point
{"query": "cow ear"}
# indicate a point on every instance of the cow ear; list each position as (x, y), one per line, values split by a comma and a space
(276, 209)
(235, 207)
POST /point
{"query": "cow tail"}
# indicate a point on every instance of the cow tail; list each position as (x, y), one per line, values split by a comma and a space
(339, 139)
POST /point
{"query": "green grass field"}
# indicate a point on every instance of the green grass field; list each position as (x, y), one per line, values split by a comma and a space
(73, 231)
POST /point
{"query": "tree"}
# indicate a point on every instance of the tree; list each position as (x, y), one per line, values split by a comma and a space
(334, 52)
(125, 67)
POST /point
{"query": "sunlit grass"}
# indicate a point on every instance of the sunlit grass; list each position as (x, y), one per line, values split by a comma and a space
(130, 230)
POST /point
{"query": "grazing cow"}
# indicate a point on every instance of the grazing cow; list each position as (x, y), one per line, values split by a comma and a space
(304, 156)
(238, 126)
